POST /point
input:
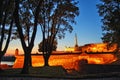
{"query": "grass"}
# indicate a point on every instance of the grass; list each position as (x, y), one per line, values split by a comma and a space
(53, 72)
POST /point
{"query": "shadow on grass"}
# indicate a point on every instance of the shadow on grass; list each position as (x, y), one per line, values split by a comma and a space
(57, 72)
(48, 71)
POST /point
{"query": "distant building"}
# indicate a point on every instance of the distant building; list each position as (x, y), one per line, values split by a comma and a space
(98, 47)
(93, 47)
(75, 48)
(16, 52)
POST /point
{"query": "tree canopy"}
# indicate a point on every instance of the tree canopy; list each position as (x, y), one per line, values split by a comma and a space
(109, 10)
(41, 43)
(6, 23)
(55, 18)
(26, 19)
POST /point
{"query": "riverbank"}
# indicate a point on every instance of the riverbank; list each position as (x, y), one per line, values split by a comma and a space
(5, 66)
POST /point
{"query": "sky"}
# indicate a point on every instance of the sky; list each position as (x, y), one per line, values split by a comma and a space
(88, 29)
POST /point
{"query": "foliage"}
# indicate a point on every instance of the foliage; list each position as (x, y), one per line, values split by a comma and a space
(56, 16)
(6, 13)
(6, 23)
(53, 49)
(109, 10)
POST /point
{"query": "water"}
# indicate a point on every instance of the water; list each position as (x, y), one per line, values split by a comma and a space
(10, 63)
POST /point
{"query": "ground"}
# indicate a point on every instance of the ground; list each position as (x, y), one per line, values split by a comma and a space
(89, 72)
(54, 73)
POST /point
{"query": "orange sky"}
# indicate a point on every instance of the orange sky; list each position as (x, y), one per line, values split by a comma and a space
(16, 44)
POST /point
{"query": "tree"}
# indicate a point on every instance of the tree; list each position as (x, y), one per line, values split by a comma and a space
(109, 10)
(53, 49)
(25, 24)
(56, 17)
(6, 23)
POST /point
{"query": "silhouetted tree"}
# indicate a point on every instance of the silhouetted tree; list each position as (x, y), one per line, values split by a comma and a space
(109, 10)
(6, 23)
(53, 49)
(26, 15)
(55, 18)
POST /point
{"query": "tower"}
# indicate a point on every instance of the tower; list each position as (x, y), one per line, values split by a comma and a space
(76, 41)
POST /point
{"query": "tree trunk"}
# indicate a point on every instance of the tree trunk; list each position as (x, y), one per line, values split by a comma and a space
(46, 59)
(1, 55)
(0, 64)
(25, 69)
(30, 60)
